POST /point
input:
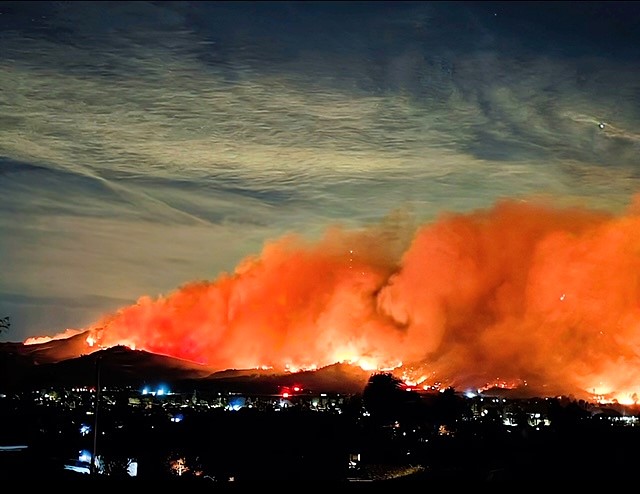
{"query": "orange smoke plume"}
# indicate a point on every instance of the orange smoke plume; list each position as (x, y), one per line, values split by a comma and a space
(521, 292)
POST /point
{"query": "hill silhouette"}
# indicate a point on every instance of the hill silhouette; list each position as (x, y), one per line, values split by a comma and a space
(59, 363)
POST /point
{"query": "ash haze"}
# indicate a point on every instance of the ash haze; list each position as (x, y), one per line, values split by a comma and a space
(298, 182)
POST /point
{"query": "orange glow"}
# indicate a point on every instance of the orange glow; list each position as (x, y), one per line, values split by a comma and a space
(525, 291)
(36, 340)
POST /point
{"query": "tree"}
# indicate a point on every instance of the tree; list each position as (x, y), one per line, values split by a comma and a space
(447, 407)
(4, 324)
(386, 398)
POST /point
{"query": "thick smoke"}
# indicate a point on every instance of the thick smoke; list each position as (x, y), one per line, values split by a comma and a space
(523, 292)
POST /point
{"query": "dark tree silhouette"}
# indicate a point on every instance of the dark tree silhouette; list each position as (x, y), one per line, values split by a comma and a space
(386, 398)
(566, 414)
(4, 324)
(448, 407)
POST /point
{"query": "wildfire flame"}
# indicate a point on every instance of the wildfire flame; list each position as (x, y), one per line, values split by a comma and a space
(526, 291)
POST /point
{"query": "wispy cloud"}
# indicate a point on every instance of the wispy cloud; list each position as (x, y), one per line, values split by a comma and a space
(148, 144)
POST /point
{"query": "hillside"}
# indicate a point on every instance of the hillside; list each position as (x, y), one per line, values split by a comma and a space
(55, 363)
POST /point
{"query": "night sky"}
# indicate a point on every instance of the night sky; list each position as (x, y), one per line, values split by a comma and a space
(146, 145)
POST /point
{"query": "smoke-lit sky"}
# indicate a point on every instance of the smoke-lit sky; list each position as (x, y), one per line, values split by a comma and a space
(146, 145)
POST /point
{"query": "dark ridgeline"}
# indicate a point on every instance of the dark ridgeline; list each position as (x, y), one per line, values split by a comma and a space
(62, 363)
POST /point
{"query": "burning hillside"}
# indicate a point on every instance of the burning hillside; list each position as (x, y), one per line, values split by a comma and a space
(522, 293)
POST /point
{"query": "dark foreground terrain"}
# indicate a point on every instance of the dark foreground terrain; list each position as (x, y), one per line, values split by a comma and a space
(231, 449)
(239, 428)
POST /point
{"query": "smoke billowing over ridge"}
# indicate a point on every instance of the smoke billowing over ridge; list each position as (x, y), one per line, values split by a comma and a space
(521, 292)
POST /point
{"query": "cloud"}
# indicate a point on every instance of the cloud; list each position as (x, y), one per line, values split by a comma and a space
(524, 291)
(153, 144)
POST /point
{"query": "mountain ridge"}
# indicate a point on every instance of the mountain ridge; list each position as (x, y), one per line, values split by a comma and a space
(61, 363)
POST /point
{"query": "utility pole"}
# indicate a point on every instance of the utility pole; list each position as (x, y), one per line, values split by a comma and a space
(96, 407)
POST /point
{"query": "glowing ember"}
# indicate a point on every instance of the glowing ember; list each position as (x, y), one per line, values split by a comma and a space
(539, 295)
(501, 384)
(45, 339)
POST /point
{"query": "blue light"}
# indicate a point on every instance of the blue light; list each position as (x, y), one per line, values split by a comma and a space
(85, 456)
(236, 403)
